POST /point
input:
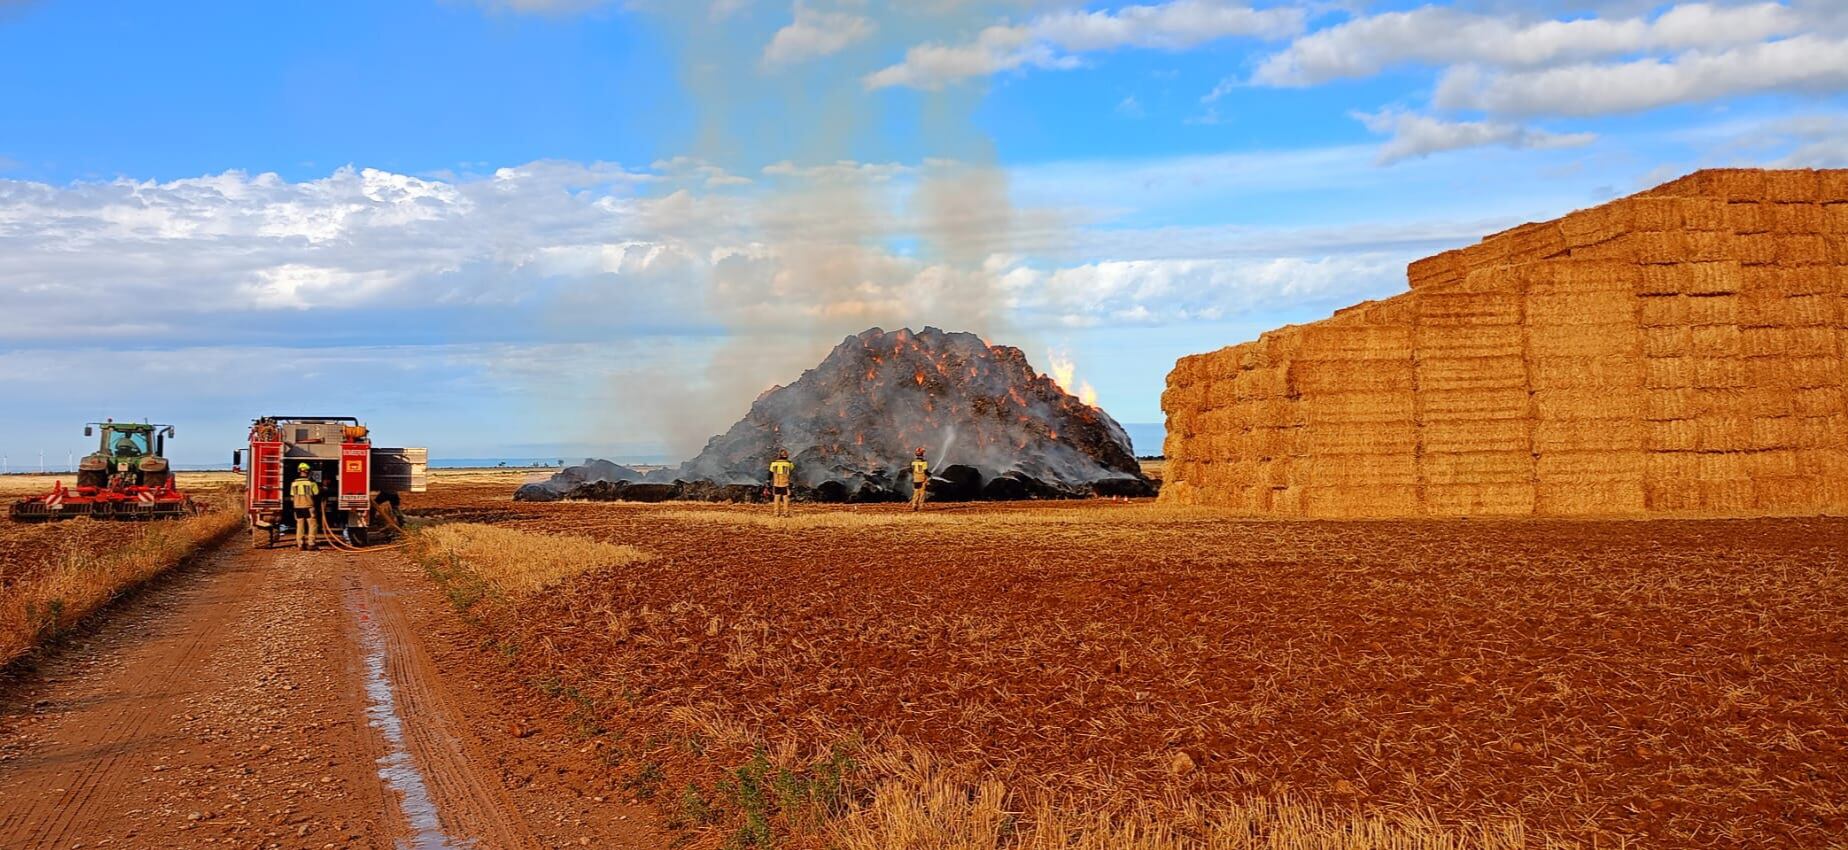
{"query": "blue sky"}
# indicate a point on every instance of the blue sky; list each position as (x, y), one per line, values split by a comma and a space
(563, 227)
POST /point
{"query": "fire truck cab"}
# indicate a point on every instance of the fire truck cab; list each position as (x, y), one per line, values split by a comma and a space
(357, 479)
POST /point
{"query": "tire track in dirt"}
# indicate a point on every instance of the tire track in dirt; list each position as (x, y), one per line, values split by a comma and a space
(227, 705)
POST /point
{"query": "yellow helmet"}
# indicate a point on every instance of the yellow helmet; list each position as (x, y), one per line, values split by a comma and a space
(301, 467)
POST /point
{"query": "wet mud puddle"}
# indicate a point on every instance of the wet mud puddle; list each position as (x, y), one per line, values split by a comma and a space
(397, 768)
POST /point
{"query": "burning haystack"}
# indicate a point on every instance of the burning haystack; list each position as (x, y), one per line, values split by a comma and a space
(993, 427)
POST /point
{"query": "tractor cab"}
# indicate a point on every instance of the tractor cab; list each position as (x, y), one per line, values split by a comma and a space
(127, 454)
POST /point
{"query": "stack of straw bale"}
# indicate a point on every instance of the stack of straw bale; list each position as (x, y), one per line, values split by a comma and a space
(1681, 351)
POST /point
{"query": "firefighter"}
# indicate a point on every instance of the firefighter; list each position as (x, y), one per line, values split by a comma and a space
(782, 473)
(920, 480)
(302, 495)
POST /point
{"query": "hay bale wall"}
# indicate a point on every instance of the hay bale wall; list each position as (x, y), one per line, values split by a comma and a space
(1681, 351)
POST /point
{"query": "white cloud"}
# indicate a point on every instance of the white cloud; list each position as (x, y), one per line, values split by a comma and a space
(1414, 136)
(1053, 41)
(1163, 291)
(1804, 63)
(815, 33)
(1436, 35)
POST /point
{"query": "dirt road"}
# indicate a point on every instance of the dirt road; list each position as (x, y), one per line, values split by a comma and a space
(293, 700)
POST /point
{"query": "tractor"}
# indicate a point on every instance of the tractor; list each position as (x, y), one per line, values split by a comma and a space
(127, 477)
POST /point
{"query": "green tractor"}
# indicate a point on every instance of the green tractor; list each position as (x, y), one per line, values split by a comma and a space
(127, 477)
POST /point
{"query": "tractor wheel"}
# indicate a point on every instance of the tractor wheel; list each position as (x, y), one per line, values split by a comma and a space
(358, 536)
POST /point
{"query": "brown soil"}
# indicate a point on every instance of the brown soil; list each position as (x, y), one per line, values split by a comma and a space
(1681, 683)
(227, 705)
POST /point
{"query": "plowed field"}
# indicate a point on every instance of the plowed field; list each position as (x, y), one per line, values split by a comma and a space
(1683, 683)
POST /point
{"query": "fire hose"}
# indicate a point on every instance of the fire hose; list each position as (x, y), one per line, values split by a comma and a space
(334, 540)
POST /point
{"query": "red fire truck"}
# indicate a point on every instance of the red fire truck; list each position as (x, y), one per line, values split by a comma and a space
(357, 479)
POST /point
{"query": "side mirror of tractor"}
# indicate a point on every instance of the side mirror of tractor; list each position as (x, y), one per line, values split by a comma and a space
(169, 430)
(88, 431)
(237, 458)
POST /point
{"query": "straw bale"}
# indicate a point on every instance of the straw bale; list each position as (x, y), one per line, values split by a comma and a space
(1219, 395)
(1537, 241)
(1668, 340)
(1797, 185)
(1665, 373)
(1775, 463)
(1816, 401)
(1285, 501)
(1798, 219)
(1603, 372)
(1799, 432)
(1340, 376)
(1361, 439)
(1746, 218)
(1592, 403)
(1223, 365)
(1735, 184)
(1398, 469)
(1832, 184)
(1358, 407)
(1696, 466)
(1794, 373)
(1667, 248)
(1613, 338)
(1491, 467)
(1585, 228)
(1704, 214)
(1788, 281)
(1474, 435)
(1184, 396)
(1802, 250)
(1509, 499)
(1357, 342)
(1471, 341)
(1435, 405)
(1262, 383)
(1580, 308)
(1774, 401)
(1778, 310)
(1697, 183)
(1724, 498)
(1716, 340)
(1585, 435)
(1447, 267)
(1649, 214)
(1701, 434)
(1835, 217)
(1600, 498)
(1789, 493)
(1754, 249)
(1462, 373)
(1276, 442)
(1715, 278)
(1370, 501)
(1268, 413)
(1789, 341)
(1448, 308)
(1589, 467)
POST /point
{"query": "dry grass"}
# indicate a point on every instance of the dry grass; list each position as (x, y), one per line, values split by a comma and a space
(921, 805)
(54, 575)
(516, 564)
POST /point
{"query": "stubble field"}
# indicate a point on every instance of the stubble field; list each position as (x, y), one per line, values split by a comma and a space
(1121, 674)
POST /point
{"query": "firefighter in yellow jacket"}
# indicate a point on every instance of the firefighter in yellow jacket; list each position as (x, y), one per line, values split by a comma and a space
(782, 477)
(920, 480)
(302, 495)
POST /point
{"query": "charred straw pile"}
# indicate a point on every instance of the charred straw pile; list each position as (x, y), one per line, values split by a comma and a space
(994, 428)
(1680, 351)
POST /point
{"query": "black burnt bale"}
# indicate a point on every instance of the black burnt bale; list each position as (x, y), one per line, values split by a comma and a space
(591, 471)
(852, 423)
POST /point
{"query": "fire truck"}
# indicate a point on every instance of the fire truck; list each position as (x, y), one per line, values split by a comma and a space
(358, 480)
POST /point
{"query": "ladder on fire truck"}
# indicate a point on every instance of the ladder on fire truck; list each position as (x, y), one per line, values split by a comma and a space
(267, 464)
